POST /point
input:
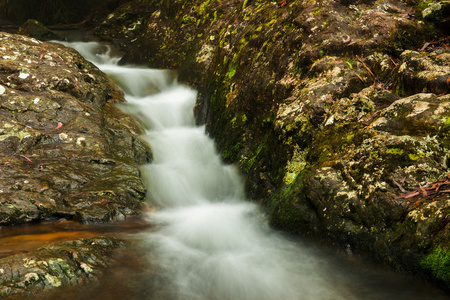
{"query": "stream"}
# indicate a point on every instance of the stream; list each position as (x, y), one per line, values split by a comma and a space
(207, 242)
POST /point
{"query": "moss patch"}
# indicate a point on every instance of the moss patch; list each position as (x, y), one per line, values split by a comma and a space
(438, 261)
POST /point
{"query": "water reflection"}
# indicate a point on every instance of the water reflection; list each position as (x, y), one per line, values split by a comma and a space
(26, 238)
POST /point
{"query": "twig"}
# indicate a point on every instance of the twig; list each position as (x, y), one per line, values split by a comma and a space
(395, 64)
(424, 192)
(365, 66)
(399, 186)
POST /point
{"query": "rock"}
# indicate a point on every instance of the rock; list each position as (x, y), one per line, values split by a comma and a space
(66, 153)
(62, 264)
(34, 29)
(423, 73)
(432, 11)
(325, 106)
(66, 150)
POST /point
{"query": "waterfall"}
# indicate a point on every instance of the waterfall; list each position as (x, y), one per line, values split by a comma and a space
(208, 242)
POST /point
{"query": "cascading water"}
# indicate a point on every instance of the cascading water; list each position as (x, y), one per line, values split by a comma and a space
(209, 243)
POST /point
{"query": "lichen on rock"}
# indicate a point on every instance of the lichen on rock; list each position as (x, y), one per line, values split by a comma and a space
(61, 264)
(66, 153)
(61, 136)
(328, 107)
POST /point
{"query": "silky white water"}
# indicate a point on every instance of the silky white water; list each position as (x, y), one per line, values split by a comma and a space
(210, 243)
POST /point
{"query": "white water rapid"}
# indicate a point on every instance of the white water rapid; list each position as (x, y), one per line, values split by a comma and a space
(209, 243)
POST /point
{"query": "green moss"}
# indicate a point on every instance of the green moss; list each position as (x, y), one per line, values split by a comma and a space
(244, 5)
(447, 122)
(295, 166)
(326, 24)
(290, 127)
(231, 151)
(286, 208)
(421, 5)
(202, 8)
(214, 19)
(416, 156)
(251, 161)
(268, 120)
(231, 72)
(350, 137)
(316, 11)
(233, 122)
(438, 261)
(188, 19)
(394, 151)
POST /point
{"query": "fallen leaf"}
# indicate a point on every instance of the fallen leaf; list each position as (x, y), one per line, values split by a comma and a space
(107, 202)
(26, 158)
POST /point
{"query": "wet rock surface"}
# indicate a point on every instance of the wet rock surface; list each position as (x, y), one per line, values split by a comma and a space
(66, 153)
(61, 264)
(34, 29)
(332, 109)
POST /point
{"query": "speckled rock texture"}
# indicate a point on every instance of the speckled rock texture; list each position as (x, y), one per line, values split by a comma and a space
(66, 153)
(336, 111)
(61, 264)
(65, 150)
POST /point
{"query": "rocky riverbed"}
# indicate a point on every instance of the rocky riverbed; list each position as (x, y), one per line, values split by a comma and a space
(337, 112)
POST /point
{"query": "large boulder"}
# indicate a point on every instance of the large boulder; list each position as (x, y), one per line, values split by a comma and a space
(66, 153)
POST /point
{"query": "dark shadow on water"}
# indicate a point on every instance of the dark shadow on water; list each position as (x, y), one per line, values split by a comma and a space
(133, 277)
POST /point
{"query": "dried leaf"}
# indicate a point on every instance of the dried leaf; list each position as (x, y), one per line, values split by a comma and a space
(107, 202)
(26, 158)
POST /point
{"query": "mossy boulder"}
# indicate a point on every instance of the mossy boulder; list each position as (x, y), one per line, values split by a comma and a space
(35, 29)
(327, 107)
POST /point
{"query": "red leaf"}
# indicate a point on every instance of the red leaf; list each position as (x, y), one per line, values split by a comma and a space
(26, 158)
(107, 202)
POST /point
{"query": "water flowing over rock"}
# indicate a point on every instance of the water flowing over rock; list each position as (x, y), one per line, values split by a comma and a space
(328, 107)
(67, 153)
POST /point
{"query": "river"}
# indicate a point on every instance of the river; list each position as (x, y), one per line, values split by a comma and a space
(208, 242)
